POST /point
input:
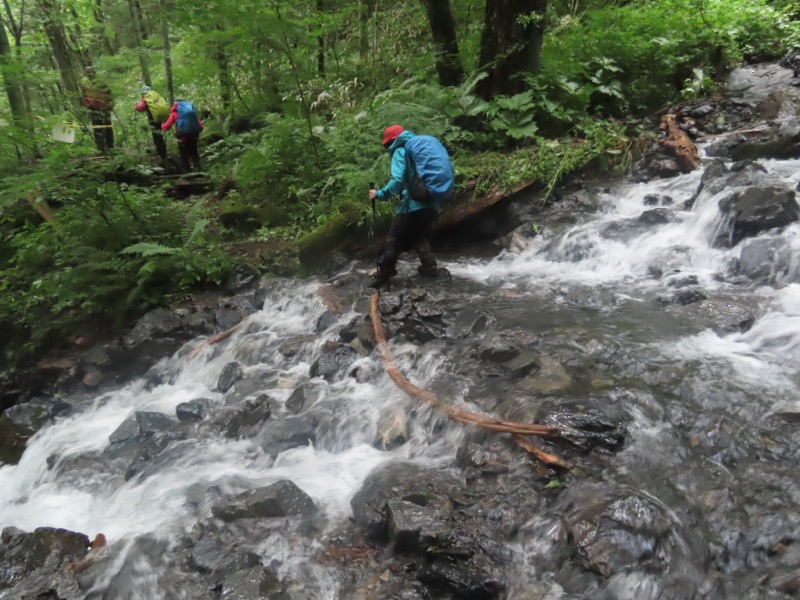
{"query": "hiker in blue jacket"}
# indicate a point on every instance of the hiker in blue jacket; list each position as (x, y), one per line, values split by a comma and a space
(422, 175)
(187, 129)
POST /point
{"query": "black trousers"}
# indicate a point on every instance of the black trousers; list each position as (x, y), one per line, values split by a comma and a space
(190, 155)
(101, 128)
(409, 230)
(158, 140)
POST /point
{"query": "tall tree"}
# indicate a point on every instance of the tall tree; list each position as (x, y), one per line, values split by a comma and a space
(366, 11)
(64, 56)
(443, 30)
(16, 98)
(511, 44)
(139, 36)
(167, 51)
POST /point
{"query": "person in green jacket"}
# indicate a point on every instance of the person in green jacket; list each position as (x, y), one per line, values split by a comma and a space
(157, 110)
(414, 217)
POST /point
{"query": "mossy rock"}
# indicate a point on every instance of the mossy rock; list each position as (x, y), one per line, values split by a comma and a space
(251, 218)
(12, 442)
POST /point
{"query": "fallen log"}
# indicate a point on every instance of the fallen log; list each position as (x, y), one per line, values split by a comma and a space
(518, 430)
(679, 145)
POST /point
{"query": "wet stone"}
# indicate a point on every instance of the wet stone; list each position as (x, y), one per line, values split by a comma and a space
(412, 528)
(231, 373)
(524, 364)
(236, 421)
(280, 499)
(293, 346)
(657, 200)
(462, 579)
(497, 349)
(429, 310)
(470, 455)
(332, 362)
(255, 582)
(45, 548)
(291, 432)
(390, 303)
(302, 397)
(585, 425)
(418, 331)
(31, 416)
(192, 411)
(468, 323)
(326, 320)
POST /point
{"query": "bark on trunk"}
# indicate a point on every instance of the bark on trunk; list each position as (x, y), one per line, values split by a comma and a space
(443, 31)
(366, 11)
(16, 98)
(139, 36)
(167, 51)
(511, 44)
(62, 53)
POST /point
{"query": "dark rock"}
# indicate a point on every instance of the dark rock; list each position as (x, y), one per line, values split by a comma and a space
(253, 583)
(585, 425)
(244, 277)
(332, 362)
(667, 167)
(47, 547)
(412, 528)
(390, 303)
(419, 331)
(227, 318)
(302, 396)
(236, 421)
(497, 349)
(194, 410)
(429, 310)
(140, 426)
(470, 455)
(758, 209)
(32, 415)
(326, 320)
(159, 333)
(291, 432)
(469, 322)
(524, 364)
(231, 373)
(293, 346)
(722, 316)
(281, 499)
(657, 200)
(724, 145)
(462, 579)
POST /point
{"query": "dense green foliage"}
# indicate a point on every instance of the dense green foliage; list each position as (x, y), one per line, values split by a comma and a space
(294, 95)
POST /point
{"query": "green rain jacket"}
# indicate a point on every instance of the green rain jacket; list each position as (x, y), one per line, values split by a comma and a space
(401, 176)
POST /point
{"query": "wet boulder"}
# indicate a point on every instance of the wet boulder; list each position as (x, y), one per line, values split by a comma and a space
(495, 348)
(396, 482)
(618, 529)
(290, 432)
(141, 426)
(758, 209)
(281, 499)
(253, 582)
(161, 332)
(231, 373)
(657, 200)
(294, 345)
(587, 424)
(21, 553)
(33, 415)
(334, 360)
(469, 322)
(392, 428)
(764, 259)
(420, 331)
(302, 397)
(723, 316)
(192, 411)
(463, 579)
(241, 419)
(413, 527)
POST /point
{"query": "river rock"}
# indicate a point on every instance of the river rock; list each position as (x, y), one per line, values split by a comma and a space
(45, 548)
(231, 373)
(758, 209)
(281, 499)
(333, 361)
(469, 322)
(462, 579)
(585, 424)
(495, 348)
(241, 419)
(290, 432)
(192, 411)
(764, 259)
(33, 415)
(294, 345)
(392, 428)
(141, 425)
(302, 397)
(252, 583)
(412, 528)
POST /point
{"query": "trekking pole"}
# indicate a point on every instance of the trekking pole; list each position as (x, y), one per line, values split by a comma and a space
(374, 228)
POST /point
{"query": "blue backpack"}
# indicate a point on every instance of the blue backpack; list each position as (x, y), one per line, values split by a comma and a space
(187, 119)
(432, 176)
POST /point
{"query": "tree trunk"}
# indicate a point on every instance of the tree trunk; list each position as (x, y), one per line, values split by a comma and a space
(366, 11)
(225, 81)
(321, 40)
(64, 57)
(511, 44)
(139, 36)
(443, 31)
(16, 97)
(167, 52)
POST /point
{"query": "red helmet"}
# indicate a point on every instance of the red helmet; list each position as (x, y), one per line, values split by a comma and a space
(390, 134)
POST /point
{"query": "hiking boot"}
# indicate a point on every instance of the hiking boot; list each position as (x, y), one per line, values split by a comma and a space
(428, 270)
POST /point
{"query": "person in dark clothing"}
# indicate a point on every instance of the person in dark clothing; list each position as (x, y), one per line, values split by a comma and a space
(97, 97)
(157, 110)
(415, 212)
(183, 116)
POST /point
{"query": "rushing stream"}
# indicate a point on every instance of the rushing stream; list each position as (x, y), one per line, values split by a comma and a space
(704, 485)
